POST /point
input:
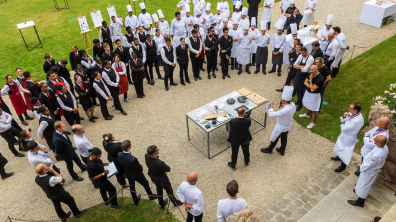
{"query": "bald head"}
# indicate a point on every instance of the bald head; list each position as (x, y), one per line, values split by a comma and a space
(383, 123)
(381, 141)
(241, 111)
(330, 36)
(192, 178)
(41, 169)
(77, 129)
(314, 69)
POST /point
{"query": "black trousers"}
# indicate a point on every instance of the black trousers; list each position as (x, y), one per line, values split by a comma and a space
(116, 100)
(121, 173)
(224, 65)
(15, 124)
(283, 137)
(250, 17)
(234, 155)
(3, 162)
(67, 199)
(169, 191)
(268, 25)
(93, 94)
(69, 164)
(9, 138)
(190, 217)
(2, 170)
(234, 63)
(290, 77)
(168, 73)
(150, 62)
(196, 65)
(128, 72)
(253, 59)
(108, 188)
(52, 146)
(183, 72)
(141, 179)
(300, 96)
(72, 118)
(103, 106)
(138, 83)
(159, 59)
(211, 63)
(84, 159)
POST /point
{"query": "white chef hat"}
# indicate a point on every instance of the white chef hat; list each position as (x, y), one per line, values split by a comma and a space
(208, 6)
(245, 24)
(197, 11)
(238, 4)
(263, 25)
(160, 14)
(129, 8)
(142, 5)
(330, 18)
(187, 7)
(287, 93)
(225, 16)
(235, 20)
(244, 11)
(292, 1)
(155, 17)
(253, 22)
(280, 23)
(218, 6)
(293, 28)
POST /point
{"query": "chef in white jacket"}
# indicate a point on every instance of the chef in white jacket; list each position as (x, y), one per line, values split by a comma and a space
(224, 7)
(370, 169)
(340, 37)
(131, 20)
(284, 123)
(237, 14)
(245, 42)
(253, 31)
(190, 21)
(243, 18)
(323, 33)
(368, 140)
(163, 24)
(309, 14)
(234, 33)
(352, 122)
(267, 13)
(184, 4)
(145, 19)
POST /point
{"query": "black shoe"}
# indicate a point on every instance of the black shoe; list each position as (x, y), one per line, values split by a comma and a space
(152, 82)
(335, 158)
(339, 169)
(81, 213)
(178, 203)
(228, 76)
(78, 179)
(92, 121)
(265, 150)
(165, 203)
(188, 81)
(357, 173)
(108, 118)
(209, 76)
(116, 207)
(223, 76)
(195, 78)
(232, 67)
(173, 84)
(246, 164)
(204, 61)
(271, 71)
(97, 104)
(7, 175)
(248, 72)
(183, 84)
(264, 72)
(24, 123)
(160, 77)
(95, 117)
(140, 97)
(354, 190)
(66, 216)
(19, 155)
(239, 72)
(232, 168)
(85, 169)
(29, 117)
(166, 88)
(279, 90)
(250, 64)
(131, 83)
(67, 132)
(253, 64)
(124, 113)
(257, 71)
(202, 69)
(111, 116)
(298, 108)
(279, 74)
(278, 150)
(81, 118)
(214, 75)
(359, 202)
(217, 69)
(77, 97)
(199, 77)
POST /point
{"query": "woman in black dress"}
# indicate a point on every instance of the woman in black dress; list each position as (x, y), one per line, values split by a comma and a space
(112, 148)
(82, 90)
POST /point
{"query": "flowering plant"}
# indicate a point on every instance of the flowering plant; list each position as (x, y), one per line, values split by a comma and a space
(389, 99)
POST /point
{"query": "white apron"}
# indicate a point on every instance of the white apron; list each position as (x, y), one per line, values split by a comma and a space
(267, 14)
(311, 101)
(344, 147)
(235, 49)
(309, 17)
(365, 182)
(243, 56)
(278, 130)
(253, 46)
(338, 57)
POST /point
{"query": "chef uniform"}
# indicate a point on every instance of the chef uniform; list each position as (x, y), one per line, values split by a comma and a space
(224, 7)
(163, 26)
(324, 32)
(284, 123)
(253, 9)
(184, 4)
(245, 42)
(240, 23)
(278, 45)
(368, 140)
(219, 17)
(309, 14)
(253, 47)
(200, 4)
(178, 29)
(345, 144)
(208, 17)
(262, 48)
(235, 14)
(222, 25)
(115, 29)
(286, 4)
(131, 21)
(235, 45)
(145, 19)
(340, 53)
(198, 19)
(267, 13)
(189, 19)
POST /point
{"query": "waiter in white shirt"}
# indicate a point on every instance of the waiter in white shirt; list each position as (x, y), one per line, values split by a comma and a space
(38, 154)
(368, 140)
(323, 33)
(145, 19)
(330, 51)
(81, 142)
(340, 37)
(232, 204)
(284, 123)
(370, 168)
(309, 14)
(352, 122)
(131, 20)
(179, 28)
(7, 131)
(191, 197)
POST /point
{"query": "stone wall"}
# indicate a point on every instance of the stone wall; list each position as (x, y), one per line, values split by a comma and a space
(245, 215)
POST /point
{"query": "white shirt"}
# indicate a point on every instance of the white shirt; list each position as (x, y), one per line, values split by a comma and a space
(191, 48)
(64, 107)
(165, 59)
(137, 48)
(228, 207)
(374, 160)
(369, 137)
(309, 61)
(236, 15)
(190, 194)
(278, 41)
(164, 27)
(352, 124)
(43, 125)
(37, 115)
(90, 64)
(311, 4)
(122, 65)
(324, 32)
(224, 6)
(115, 28)
(145, 20)
(263, 40)
(53, 180)
(100, 91)
(5, 122)
(178, 27)
(245, 41)
(285, 115)
(184, 4)
(341, 40)
(82, 144)
(35, 158)
(189, 19)
(132, 21)
(331, 49)
(107, 78)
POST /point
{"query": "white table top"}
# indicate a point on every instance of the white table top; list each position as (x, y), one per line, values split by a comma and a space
(306, 40)
(25, 24)
(384, 5)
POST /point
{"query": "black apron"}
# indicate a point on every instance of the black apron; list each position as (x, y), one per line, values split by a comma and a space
(277, 59)
(301, 76)
(262, 55)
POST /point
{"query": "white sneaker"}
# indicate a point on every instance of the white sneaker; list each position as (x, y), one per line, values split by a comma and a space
(304, 115)
(311, 125)
(112, 105)
(126, 100)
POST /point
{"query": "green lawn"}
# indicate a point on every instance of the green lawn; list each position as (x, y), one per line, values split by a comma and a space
(367, 76)
(146, 211)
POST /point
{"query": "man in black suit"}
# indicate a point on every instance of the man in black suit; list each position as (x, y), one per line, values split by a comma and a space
(211, 52)
(49, 62)
(63, 72)
(151, 59)
(33, 87)
(65, 150)
(48, 98)
(133, 171)
(182, 60)
(316, 51)
(123, 52)
(195, 47)
(240, 136)
(105, 36)
(138, 74)
(225, 52)
(97, 48)
(158, 172)
(108, 54)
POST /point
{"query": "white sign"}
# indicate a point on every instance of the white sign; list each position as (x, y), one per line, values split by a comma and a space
(111, 11)
(97, 18)
(83, 24)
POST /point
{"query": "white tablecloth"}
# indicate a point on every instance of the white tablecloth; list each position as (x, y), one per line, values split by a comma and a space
(372, 14)
(306, 41)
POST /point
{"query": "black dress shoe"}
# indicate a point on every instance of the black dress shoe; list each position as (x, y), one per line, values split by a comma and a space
(66, 216)
(214, 75)
(24, 123)
(228, 76)
(199, 77)
(335, 158)
(223, 76)
(138, 200)
(140, 97)
(278, 150)
(257, 71)
(92, 121)
(209, 76)
(19, 155)
(246, 164)
(29, 117)
(78, 179)
(271, 71)
(354, 190)
(95, 117)
(202, 69)
(195, 78)
(265, 150)
(248, 72)
(108, 118)
(81, 214)
(359, 202)
(339, 169)
(131, 83)
(165, 203)
(183, 84)
(188, 81)
(152, 82)
(264, 72)
(97, 104)
(81, 118)
(279, 90)
(111, 116)
(7, 175)
(232, 67)
(166, 88)
(160, 77)
(253, 64)
(116, 207)
(298, 108)
(239, 72)
(357, 173)
(173, 84)
(124, 113)
(232, 168)
(279, 74)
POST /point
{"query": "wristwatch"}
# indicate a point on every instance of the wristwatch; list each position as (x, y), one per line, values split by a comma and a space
(103, 174)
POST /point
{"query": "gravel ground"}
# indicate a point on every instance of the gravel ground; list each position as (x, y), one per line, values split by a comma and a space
(159, 119)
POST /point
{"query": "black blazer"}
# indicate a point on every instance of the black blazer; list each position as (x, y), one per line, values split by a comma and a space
(82, 94)
(318, 53)
(124, 55)
(63, 146)
(142, 38)
(96, 68)
(225, 45)
(239, 131)
(4, 106)
(136, 69)
(133, 169)
(157, 169)
(51, 104)
(34, 89)
(212, 46)
(105, 56)
(47, 66)
(74, 60)
(182, 55)
(63, 72)
(98, 51)
(112, 150)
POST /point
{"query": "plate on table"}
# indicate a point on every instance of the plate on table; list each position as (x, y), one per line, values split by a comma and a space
(220, 105)
(221, 118)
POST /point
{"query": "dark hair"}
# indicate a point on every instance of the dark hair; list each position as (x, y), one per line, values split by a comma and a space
(108, 135)
(79, 65)
(46, 56)
(22, 136)
(41, 109)
(376, 219)
(96, 73)
(316, 43)
(6, 77)
(59, 87)
(337, 29)
(17, 69)
(298, 40)
(31, 145)
(26, 74)
(195, 26)
(96, 41)
(95, 151)
(97, 57)
(156, 30)
(127, 28)
(300, 44)
(210, 30)
(42, 84)
(54, 69)
(194, 31)
(356, 106)
(117, 55)
(106, 62)
(33, 100)
(167, 39)
(49, 73)
(225, 29)
(134, 39)
(177, 13)
(126, 145)
(104, 22)
(151, 149)
(82, 51)
(64, 61)
(117, 40)
(232, 188)
(148, 35)
(303, 49)
(112, 17)
(181, 38)
(105, 45)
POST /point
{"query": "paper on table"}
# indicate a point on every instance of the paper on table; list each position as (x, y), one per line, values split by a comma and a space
(267, 107)
(112, 169)
(201, 112)
(223, 99)
(213, 103)
(233, 94)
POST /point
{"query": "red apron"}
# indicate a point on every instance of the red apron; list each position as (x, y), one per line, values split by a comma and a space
(123, 81)
(60, 82)
(27, 96)
(17, 100)
(203, 47)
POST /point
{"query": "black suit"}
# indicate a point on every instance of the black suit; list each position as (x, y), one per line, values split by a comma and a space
(317, 53)
(47, 66)
(63, 72)
(3, 162)
(112, 150)
(85, 97)
(157, 169)
(65, 150)
(137, 75)
(33, 89)
(225, 45)
(240, 136)
(98, 51)
(182, 59)
(51, 104)
(134, 172)
(125, 57)
(106, 56)
(211, 54)
(74, 60)
(5, 108)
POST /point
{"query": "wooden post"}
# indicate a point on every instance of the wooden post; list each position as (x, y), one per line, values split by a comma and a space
(86, 39)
